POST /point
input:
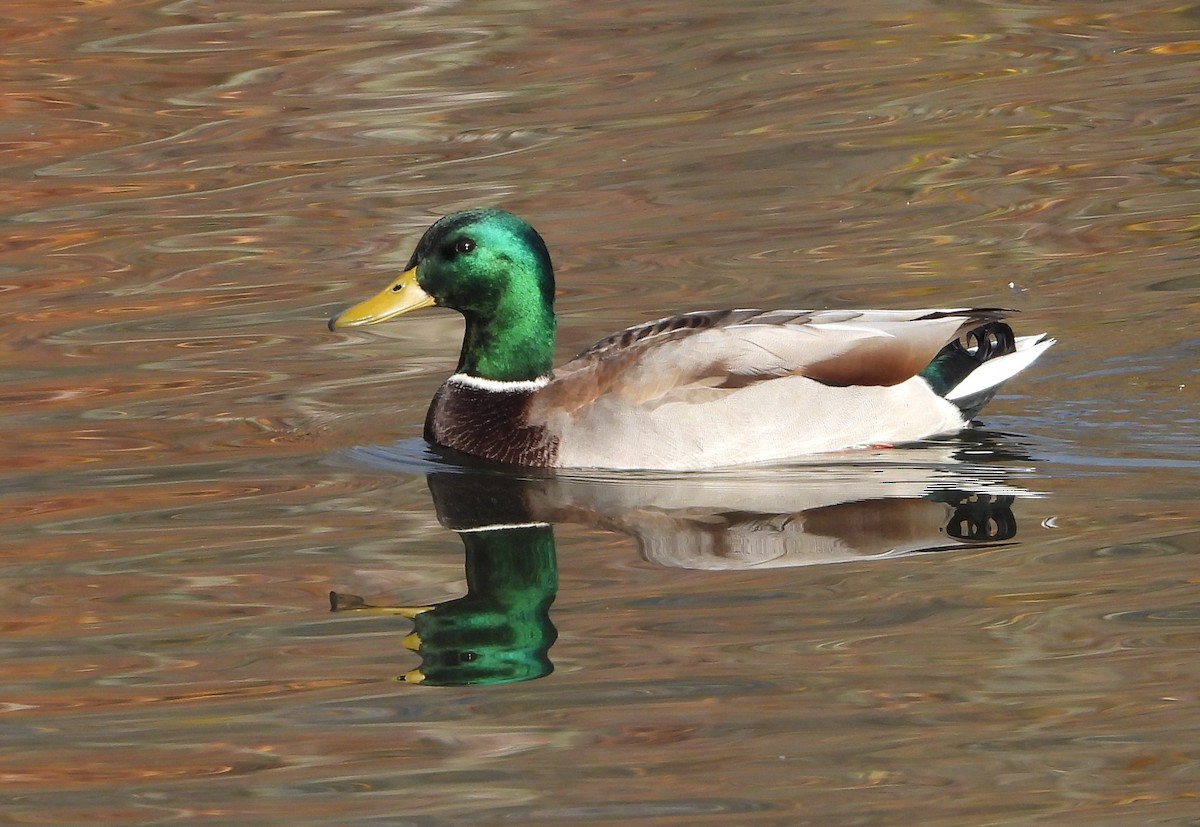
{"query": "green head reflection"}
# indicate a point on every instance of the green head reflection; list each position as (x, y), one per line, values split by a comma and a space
(500, 631)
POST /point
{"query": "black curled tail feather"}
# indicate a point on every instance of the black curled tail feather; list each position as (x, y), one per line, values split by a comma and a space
(960, 358)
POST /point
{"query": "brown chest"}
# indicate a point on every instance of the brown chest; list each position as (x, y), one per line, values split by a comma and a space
(489, 423)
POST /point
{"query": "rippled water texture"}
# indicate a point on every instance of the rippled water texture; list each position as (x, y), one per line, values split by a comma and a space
(999, 629)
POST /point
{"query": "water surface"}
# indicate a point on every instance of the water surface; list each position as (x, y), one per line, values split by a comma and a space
(193, 462)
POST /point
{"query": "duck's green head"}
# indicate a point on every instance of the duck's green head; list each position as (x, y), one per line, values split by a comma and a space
(492, 267)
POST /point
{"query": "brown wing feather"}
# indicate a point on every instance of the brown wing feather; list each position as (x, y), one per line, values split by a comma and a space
(890, 361)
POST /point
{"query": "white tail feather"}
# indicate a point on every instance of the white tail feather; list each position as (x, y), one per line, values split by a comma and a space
(996, 371)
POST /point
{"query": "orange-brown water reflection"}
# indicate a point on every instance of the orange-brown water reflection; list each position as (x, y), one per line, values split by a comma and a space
(190, 189)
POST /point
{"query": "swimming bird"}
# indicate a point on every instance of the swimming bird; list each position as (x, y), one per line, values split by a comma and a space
(697, 390)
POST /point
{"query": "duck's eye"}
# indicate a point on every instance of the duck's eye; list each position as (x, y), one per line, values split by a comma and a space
(464, 245)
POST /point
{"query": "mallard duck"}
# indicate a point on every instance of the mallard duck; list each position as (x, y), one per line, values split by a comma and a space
(697, 390)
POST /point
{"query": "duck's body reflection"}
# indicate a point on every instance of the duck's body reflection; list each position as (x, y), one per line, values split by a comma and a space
(500, 631)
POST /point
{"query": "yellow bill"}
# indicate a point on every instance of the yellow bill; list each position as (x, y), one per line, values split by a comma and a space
(401, 296)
